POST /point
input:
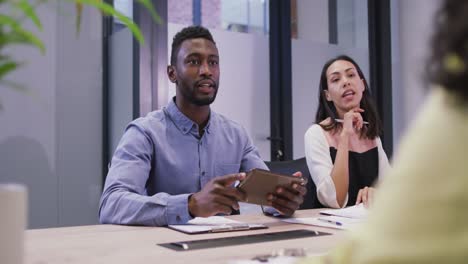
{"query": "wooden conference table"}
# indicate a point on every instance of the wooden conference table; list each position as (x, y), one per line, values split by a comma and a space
(116, 244)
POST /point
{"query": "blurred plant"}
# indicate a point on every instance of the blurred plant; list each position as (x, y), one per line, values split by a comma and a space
(12, 31)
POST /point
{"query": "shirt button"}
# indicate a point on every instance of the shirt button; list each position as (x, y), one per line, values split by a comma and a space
(203, 173)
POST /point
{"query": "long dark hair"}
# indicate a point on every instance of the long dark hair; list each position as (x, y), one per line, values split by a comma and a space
(327, 109)
(448, 64)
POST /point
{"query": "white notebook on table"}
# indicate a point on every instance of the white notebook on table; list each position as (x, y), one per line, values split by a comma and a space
(214, 224)
(354, 212)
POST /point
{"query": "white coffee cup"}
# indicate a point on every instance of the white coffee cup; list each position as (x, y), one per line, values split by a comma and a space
(13, 215)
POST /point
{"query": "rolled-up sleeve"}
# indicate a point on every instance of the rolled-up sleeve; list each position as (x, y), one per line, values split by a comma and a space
(317, 152)
(125, 199)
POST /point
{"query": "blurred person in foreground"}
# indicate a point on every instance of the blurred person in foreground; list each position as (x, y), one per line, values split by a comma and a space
(421, 209)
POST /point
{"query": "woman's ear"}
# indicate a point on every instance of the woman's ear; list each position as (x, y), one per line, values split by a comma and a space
(364, 84)
(327, 95)
(171, 74)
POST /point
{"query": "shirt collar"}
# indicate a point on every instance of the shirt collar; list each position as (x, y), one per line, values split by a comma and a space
(185, 124)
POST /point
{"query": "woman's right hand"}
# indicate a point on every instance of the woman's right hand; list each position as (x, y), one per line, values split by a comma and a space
(352, 121)
(366, 196)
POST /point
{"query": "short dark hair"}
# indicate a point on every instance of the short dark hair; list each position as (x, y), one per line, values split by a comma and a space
(327, 109)
(448, 63)
(190, 32)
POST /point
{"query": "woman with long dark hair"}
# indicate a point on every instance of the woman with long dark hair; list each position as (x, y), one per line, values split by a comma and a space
(343, 149)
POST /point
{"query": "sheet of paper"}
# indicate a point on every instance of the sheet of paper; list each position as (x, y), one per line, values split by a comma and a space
(272, 260)
(275, 259)
(191, 229)
(212, 220)
(344, 223)
(214, 224)
(355, 212)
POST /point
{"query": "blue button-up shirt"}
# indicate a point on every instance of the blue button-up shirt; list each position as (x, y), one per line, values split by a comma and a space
(161, 160)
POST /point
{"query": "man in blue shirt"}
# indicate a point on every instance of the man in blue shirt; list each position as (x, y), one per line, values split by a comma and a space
(181, 162)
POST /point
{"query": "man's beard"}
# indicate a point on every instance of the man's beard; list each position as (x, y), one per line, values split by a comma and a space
(192, 97)
(202, 101)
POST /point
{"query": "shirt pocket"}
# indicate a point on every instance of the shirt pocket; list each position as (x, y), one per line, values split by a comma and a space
(226, 168)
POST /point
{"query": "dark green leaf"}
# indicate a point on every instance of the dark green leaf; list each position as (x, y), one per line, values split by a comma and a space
(7, 20)
(109, 10)
(149, 6)
(7, 67)
(20, 35)
(29, 11)
(79, 12)
(16, 34)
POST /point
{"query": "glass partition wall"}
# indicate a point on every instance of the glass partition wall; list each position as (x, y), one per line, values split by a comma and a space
(250, 47)
(324, 29)
(240, 29)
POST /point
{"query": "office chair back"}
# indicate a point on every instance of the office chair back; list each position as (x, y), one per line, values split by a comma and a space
(291, 166)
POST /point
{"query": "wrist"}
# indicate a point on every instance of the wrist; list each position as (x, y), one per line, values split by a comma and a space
(343, 140)
(191, 206)
(344, 136)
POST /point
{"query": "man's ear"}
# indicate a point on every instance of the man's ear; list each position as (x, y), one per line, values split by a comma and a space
(171, 73)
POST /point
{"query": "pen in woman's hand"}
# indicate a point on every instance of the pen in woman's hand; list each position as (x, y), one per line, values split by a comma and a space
(341, 121)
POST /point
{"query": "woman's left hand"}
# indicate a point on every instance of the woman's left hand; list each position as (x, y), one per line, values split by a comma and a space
(366, 196)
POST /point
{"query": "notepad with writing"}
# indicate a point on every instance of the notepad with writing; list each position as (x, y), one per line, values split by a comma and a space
(355, 212)
(213, 224)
